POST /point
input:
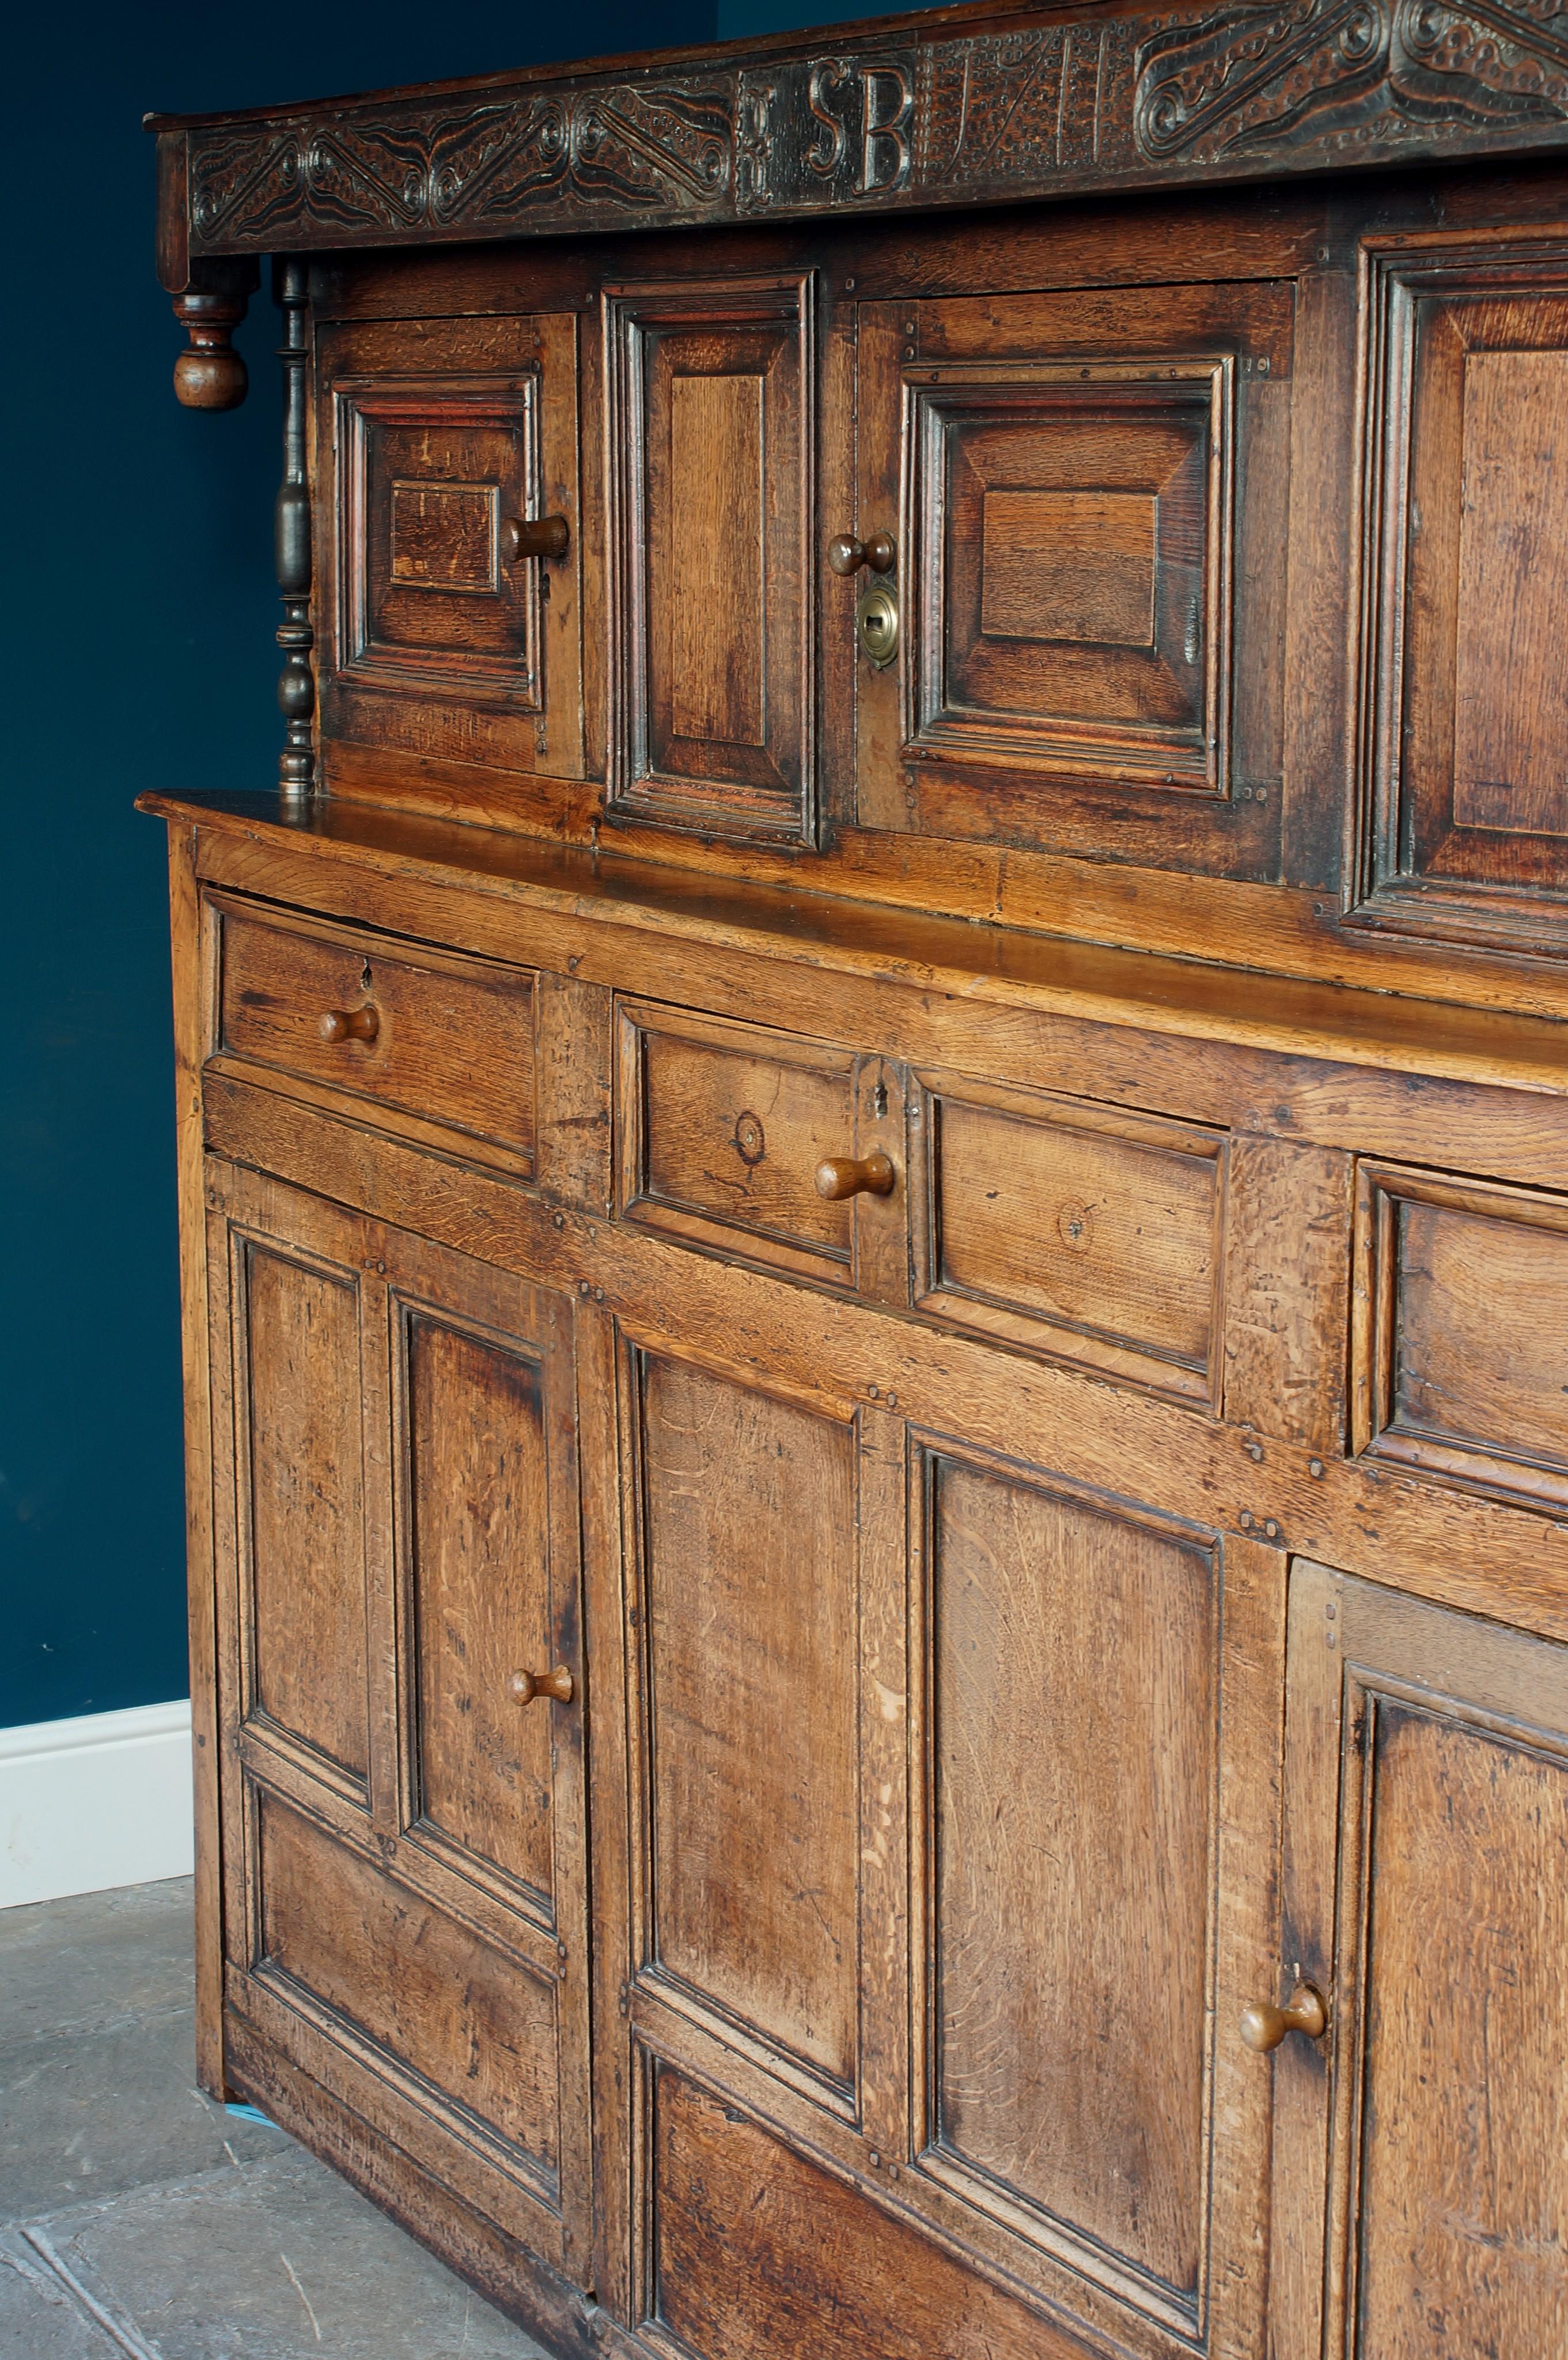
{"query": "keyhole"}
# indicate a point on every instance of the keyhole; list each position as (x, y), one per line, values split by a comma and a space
(364, 976)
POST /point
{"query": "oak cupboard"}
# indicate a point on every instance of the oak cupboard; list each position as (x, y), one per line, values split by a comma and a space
(873, 1153)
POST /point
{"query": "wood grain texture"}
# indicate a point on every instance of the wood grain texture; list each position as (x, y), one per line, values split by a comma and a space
(432, 435)
(452, 1051)
(1459, 1360)
(1070, 1882)
(978, 108)
(722, 1128)
(414, 1982)
(751, 1708)
(1287, 1295)
(758, 2252)
(1445, 2226)
(187, 944)
(479, 1533)
(305, 1537)
(709, 424)
(1462, 811)
(1058, 1224)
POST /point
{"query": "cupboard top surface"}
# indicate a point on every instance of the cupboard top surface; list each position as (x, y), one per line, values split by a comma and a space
(972, 106)
(994, 966)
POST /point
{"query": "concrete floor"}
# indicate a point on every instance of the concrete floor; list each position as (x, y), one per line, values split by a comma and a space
(137, 2216)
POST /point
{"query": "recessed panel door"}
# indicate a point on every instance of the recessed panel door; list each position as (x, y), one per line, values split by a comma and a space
(712, 396)
(450, 607)
(1426, 1903)
(1094, 1829)
(403, 1684)
(1087, 493)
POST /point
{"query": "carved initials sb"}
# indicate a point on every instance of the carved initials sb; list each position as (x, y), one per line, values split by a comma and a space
(886, 103)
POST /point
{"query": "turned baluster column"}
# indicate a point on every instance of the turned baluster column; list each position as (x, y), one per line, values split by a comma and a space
(297, 683)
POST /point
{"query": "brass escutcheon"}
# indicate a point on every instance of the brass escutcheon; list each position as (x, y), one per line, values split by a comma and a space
(877, 625)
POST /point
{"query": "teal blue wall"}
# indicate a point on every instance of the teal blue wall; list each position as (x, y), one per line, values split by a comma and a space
(139, 647)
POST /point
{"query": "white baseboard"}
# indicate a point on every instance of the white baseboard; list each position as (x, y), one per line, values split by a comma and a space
(101, 1800)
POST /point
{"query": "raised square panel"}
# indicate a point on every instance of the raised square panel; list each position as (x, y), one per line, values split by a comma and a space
(1089, 489)
(750, 1713)
(435, 435)
(1072, 1877)
(428, 476)
(1072, 534)
(1463, 808)
(1460, 1346)
(711, 428)
(1091, 1235)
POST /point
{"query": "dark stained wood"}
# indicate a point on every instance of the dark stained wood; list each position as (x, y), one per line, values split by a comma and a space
(979, 105)
(1464, 823)
(449, 442)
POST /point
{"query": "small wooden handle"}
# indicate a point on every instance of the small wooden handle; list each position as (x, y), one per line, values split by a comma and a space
(523, 1686)
(350, 1024)
(847, 555)
(1264, 2027)
(537, 537)
(842, 1175)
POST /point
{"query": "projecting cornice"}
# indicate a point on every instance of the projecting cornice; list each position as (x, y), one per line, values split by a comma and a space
(970, 105)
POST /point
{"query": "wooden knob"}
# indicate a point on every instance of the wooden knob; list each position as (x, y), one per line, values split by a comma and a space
(842, 1175)
(1264, 2027)
(847, 555)
(351, 1024)
(523, 1686)
(537, 537)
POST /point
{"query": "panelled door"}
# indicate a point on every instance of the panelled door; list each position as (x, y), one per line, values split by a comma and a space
(956, 1821)
(1094, 1780)
(402, 1693)
(1421, 2144)
(1077, 499)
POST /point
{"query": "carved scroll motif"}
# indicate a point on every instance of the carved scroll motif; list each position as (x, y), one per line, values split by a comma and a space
(1346, 74)
(1124, 102)
(633, 147)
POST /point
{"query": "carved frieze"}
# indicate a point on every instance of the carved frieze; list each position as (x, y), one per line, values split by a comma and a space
(1342, 76)
(1046, 108)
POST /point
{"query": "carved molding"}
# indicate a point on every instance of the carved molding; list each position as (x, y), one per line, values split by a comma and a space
(1044, 109)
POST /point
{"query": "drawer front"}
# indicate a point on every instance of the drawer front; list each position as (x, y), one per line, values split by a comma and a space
(440, 1046)
(1460, 1341)
(446, 436)
(1083, 1231)
(721, 1130)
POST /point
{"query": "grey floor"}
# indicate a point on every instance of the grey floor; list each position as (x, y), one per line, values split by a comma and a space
(137, 2216)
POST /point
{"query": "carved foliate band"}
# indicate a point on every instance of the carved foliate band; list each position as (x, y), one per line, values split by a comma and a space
(1041, 110)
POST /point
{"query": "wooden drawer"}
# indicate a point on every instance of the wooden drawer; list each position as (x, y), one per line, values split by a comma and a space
(450, 1060)
(1459, 1360)
(721, 1128)
(1085, 1231)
